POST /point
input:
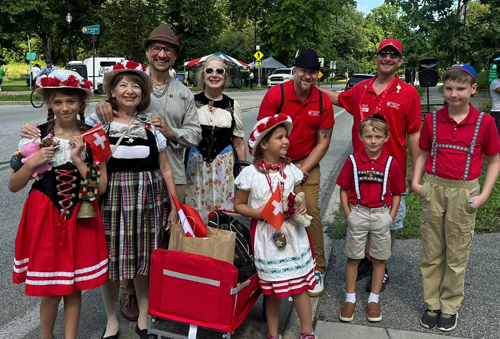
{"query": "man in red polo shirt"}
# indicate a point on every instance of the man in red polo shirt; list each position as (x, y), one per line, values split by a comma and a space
(394, 99)
(312, 115)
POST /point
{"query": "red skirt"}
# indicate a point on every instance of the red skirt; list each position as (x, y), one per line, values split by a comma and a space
(286, 288)
(58, 256)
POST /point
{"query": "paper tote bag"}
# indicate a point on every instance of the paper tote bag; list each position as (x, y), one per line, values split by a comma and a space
(218, 244)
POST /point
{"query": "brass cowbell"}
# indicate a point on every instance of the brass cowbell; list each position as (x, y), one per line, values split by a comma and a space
(86, 210)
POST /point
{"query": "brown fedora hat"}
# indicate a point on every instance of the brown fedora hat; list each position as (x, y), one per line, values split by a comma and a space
(163, 33)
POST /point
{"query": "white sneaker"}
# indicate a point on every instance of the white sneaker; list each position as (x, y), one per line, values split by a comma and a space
(318, 289)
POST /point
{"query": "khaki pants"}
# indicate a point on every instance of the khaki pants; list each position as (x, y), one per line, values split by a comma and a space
(311, 190)
(447, 225)
(180, 192)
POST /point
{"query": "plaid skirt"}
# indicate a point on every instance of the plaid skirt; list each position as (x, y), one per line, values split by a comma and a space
(134, 210)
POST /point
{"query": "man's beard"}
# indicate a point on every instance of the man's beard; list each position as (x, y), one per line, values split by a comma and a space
(306, 87)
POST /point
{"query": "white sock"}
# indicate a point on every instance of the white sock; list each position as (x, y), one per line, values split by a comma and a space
(350, 298)
(373, 298)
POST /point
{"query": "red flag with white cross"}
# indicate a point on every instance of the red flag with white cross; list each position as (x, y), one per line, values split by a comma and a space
(273, 211)
(98, 140)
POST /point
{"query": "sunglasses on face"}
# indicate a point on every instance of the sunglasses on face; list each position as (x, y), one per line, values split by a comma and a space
(167, 50)
(210, 70)
(393, 54)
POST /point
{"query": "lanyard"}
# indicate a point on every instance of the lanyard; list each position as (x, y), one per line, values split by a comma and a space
(381, 102)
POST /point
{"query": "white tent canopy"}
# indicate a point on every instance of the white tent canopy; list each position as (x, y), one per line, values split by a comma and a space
(269, 63)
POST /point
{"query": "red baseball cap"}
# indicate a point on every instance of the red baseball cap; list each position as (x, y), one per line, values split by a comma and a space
(391, 42)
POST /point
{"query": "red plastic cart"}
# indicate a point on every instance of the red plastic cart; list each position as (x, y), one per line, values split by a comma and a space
(199, 291)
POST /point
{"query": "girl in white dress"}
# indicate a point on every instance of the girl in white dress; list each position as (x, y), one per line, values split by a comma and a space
(283, 258)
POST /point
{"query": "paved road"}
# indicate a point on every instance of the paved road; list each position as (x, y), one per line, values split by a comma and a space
(19, 316)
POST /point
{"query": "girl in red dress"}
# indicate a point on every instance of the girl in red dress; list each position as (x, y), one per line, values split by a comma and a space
(57, 254)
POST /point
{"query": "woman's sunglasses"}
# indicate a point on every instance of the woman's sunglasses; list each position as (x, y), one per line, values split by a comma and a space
(393, 54)
(210, 70)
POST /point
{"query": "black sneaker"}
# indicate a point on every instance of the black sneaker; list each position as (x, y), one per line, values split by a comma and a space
(386, 281)
(430, 318)
(447, 322)
(365, 268)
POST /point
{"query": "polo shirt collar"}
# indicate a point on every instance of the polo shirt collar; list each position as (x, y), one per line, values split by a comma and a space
(393, 87)
(470, 119)
(382, 158)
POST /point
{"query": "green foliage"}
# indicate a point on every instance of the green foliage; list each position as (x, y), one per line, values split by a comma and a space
(485, 106)
(482, 80)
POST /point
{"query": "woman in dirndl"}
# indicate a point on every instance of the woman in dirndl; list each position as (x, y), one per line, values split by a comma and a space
(209, 167)
(136, 207)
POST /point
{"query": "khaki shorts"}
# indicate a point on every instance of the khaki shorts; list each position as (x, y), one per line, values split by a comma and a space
(364, 222)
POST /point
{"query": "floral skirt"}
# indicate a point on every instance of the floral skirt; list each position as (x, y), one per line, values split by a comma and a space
(210, 185)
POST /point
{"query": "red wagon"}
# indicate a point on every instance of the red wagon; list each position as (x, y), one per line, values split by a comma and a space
(199, 291)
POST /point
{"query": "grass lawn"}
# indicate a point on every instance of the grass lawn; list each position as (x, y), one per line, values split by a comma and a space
(22, 97)
(487, 219)
(15, 85)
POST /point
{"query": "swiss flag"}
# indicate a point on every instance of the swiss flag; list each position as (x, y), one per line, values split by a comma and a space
(98, 140)
(190, 219)
(273, 211)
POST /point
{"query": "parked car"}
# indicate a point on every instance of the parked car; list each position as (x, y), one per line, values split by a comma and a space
(356, 78)
(86, 69)
(280, 76)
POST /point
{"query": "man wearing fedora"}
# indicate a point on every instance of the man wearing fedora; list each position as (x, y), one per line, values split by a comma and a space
(399, 103)
(312, 115)
(175, 117)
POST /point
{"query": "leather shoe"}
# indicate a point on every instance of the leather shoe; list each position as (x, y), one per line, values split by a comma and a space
(130, 307)
(374, 314)
(116, 336)
(347, 313)
(143, 334)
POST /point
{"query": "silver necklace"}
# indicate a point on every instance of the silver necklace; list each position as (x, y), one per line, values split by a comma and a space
(159, 92)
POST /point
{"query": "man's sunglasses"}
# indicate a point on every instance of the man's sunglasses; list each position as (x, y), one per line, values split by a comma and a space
(393, 54)
(210, 70)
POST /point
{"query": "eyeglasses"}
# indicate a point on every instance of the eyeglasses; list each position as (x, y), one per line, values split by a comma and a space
(210, 70)
(167, 50)
(393, 54)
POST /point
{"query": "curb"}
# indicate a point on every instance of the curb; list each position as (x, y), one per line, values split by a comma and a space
(292, 327)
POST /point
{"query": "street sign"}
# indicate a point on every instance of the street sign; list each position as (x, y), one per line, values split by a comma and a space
(493, 72)
(258, 55)
(30, 56)
(320, 75)
(258, 63)
(333, 64)
(321, 62)
(95, 29)
(332, 75)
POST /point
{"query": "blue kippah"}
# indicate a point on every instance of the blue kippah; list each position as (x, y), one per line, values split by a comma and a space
(466, 68)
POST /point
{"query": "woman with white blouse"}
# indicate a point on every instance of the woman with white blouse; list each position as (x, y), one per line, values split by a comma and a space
(209, 167)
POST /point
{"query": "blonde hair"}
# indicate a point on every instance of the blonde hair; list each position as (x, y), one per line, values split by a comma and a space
(201, 72)
(377, 125)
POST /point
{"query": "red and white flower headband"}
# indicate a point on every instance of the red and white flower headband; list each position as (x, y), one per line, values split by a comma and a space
(63, 79)
(130, 65)
(264, 126)
(127, 66)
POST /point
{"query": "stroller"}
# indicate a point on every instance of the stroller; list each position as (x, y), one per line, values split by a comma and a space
(202, 291)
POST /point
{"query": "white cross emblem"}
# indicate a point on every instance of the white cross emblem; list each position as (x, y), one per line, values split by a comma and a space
(99, 140)
(277, 207)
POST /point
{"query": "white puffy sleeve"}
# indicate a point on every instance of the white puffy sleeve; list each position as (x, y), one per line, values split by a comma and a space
(297, 174)
(25, 141)
(238, 121)
(245, 178)
(161, 141)
(93, 120)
